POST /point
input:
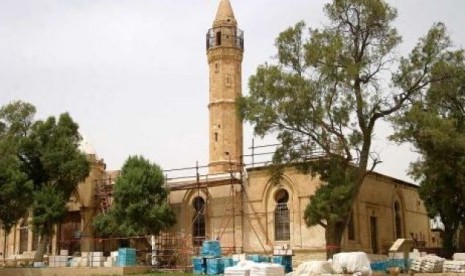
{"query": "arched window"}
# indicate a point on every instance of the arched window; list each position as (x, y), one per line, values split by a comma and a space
(198, 221)
(398, 220)
(281, 216)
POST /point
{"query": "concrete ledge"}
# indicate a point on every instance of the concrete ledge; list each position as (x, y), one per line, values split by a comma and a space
(74, 271)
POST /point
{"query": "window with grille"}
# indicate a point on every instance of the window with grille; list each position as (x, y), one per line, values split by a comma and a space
(198, 221)
(398, 220)
(281, 217)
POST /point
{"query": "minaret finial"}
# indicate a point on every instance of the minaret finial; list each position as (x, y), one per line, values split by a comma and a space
(224, 15)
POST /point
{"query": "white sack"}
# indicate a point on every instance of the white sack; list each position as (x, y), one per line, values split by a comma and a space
(351, 262)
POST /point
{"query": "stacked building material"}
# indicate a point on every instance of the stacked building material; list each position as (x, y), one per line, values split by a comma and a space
(284, 261)
(76, 262)
(267, 270)
(458, 257)
(199, 265)
(237, 271)
(283, 250)
(112, 260)
(57, 261)
(211, 249)
(453, 267)
(210, 261)
(126, 257)
(215, 266)
(282, 255)
(96, 259)
(427, 264)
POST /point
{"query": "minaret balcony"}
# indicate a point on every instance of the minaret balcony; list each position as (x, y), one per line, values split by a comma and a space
(216, 37)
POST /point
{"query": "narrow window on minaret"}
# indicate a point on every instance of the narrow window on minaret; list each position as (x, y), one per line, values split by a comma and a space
(218, 38)
(216, 136)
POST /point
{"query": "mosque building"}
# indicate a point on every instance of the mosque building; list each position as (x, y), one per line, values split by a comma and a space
(235, 202)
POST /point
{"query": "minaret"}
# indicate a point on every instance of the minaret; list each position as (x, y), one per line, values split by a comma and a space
(225, 45)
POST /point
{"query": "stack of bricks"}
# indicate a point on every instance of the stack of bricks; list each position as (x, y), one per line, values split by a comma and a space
(96, 259)
(112, 260)
(282, 250)
(59, 261)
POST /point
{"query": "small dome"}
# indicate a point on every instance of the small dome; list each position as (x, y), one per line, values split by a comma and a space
(86, 147)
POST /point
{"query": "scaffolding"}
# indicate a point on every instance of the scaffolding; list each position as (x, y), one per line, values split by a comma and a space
(103, 193)
(174, 250)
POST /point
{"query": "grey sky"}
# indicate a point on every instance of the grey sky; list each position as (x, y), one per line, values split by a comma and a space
(134, 74)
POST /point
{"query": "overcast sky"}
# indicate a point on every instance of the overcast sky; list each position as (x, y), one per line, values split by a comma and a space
(134, 73)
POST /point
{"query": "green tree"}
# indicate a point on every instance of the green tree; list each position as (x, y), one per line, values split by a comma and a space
(53, 161)
(140, 204)
(15, 187)
(328, 90)
(435, 126)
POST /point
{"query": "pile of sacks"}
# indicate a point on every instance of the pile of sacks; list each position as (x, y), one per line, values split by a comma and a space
(342, 263)
(457, 265)
(427, 264)
(454, 266)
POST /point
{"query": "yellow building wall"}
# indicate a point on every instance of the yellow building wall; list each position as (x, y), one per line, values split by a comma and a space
(255, 203)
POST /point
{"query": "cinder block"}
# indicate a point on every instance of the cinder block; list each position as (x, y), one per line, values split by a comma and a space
(64, 252)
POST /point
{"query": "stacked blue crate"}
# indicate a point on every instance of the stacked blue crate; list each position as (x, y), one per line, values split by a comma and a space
(254, 258)
(211, 249)
(264, 259)
(285, 261)
(126, 257)
(227, 262)
(199, 266)
(215, 266)
(400, 263)
(380, 266)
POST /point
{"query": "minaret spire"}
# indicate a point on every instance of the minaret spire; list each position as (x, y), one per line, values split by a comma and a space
(225, 45)
(224, 15)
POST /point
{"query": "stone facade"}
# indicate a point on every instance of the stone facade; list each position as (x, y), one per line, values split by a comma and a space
(252, 209)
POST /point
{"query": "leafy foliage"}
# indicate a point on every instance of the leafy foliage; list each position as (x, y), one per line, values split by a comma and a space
(327, 90)
(140, 202)
(15, 187)
(40, 165)
(55, 164)
(435, 126)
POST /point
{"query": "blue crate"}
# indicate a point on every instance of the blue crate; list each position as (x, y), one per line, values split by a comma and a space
(381, 266)
(285, 261)
(254, 257)
(211, 249)
(215, 266)
(198, 263)
(400, 263)
(227, 262)
(126, 257)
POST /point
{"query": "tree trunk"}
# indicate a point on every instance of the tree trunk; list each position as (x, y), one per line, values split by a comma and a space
(461, 243)
(448, 237)
(333, 236)
(44, 240)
